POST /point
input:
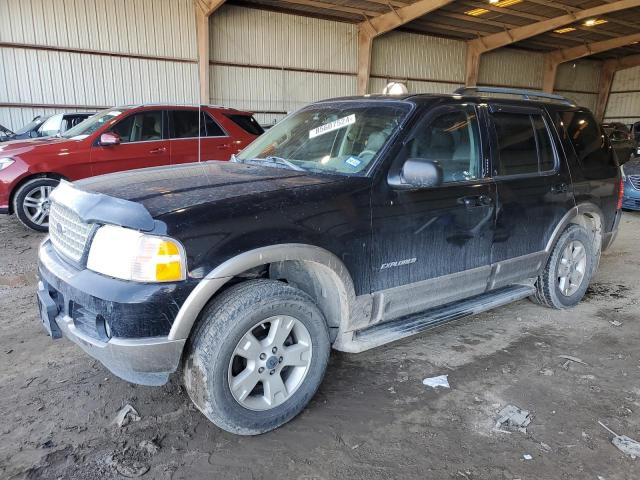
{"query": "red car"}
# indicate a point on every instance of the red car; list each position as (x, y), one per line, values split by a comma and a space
(121, 138)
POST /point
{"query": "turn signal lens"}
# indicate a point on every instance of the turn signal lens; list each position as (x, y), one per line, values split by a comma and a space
(620, 195)
(131, 255)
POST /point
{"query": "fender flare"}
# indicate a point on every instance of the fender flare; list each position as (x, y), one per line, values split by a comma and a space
(581, 208)
(218, 277)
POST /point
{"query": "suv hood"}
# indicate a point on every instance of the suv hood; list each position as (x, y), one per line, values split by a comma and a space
(165, 189)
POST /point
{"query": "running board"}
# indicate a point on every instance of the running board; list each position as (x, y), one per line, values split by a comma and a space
(409, 325)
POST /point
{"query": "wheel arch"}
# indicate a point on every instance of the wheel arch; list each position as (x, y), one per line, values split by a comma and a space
(29, 177)
(316, 271)
(587, 215)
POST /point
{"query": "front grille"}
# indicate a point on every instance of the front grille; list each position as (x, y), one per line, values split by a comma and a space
(69, 234)
(635, 181)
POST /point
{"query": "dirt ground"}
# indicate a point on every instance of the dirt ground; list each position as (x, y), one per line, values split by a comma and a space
(372, 418)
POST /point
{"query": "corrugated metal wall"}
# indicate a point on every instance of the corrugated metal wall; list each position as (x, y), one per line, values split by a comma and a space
(273, 63)
(92, 53)
(624, 102)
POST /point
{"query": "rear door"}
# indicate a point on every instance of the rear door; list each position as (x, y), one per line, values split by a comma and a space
(534, 189)
(142, 144)
(195, 136)
(432, 245)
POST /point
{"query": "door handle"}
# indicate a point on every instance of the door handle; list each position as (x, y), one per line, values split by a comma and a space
(158, 150)
(560, 188)
(476, 201)
(223, 147)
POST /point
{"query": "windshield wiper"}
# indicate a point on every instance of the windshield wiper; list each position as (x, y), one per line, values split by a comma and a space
(284, 161)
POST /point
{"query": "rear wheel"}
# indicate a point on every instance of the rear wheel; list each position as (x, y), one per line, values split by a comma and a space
(569, 269)
(31, 203)
(257, 356)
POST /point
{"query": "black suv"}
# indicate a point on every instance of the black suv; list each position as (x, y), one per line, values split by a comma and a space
(352, 223)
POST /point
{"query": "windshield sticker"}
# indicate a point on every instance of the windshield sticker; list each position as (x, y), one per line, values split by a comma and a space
(354, 162)
(331, 126)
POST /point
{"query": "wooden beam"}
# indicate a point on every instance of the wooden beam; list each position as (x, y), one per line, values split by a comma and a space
(501, 39)
(604, 87)
(373, 27)
(203, 10)
(365, 44)
(556, 57)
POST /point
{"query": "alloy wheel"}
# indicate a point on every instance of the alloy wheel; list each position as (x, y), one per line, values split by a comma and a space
(572, 268)
(36, 205)
(270, 363)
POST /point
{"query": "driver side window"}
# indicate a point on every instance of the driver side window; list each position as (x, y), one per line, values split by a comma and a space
(140, 127)
(451, 139)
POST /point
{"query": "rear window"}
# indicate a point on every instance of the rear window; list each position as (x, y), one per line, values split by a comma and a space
(247, 123)
(588, 140)
(524, 145)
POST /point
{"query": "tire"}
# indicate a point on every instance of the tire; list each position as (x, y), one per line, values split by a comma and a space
(212, 364)
(31, 203)
(550, 290)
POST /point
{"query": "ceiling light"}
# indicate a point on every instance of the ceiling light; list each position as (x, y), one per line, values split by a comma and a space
(592, 22)
(565, 30)
(476, 12)
(505, 3)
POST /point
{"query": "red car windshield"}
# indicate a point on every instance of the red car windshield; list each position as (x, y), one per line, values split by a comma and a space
(91, 124)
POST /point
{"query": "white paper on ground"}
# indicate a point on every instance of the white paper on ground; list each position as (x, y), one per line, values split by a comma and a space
(435, 382)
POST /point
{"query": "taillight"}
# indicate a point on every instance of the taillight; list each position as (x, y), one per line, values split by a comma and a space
(620, 194)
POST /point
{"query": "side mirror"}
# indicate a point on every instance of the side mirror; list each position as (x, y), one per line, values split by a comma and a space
(418, 173)
(109, 138)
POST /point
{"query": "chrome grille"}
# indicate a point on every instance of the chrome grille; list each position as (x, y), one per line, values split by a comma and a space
(69, 234)
(635, 181)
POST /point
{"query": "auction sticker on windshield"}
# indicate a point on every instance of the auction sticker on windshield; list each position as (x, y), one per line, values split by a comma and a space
(331, 126)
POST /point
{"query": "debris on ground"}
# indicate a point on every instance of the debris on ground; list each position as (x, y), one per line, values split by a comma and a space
(547, 372)
(570, 359)
(513, 418)
(435, 382)
(126, 415)
(127, 467)
(615, 323)
(545, 447)
(526, 456)
(626, 445)
(149, 446)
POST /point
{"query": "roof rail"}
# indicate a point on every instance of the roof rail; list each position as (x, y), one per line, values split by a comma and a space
(525, 94)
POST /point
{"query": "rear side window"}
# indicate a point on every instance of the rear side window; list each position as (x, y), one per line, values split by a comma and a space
(524, 145)
(185, 124)
(247, 123)
(587, 139)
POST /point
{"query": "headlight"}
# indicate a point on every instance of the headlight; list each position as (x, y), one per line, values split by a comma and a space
(5, 162)
(130, 255)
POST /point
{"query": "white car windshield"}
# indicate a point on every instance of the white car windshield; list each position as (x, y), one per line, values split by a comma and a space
(340, 137)
(91, 124)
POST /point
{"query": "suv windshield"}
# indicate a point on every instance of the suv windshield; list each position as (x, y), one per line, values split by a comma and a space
(338, 138)
(91, 124)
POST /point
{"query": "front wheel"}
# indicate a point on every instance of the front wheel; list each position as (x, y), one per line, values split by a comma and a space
(257, 356)
(31, 203)
(569, 269)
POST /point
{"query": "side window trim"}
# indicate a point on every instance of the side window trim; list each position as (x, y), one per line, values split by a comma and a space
(520, 110)
(433, 113)
(212, 118)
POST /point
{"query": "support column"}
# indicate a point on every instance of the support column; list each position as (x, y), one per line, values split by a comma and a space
(203, 10)
(609, 68)
(550, 71)
(365, 46)
(472, 68)
(202, 32)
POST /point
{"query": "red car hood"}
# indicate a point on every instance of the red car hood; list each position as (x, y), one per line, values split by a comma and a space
(48, 145)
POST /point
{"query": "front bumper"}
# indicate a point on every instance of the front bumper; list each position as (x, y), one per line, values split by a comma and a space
(72, 310)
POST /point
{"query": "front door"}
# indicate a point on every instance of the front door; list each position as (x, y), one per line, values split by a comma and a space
(431, 245)
(142, 144)
(534, 190)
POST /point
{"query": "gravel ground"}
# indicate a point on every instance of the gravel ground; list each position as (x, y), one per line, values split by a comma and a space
(372, 418)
